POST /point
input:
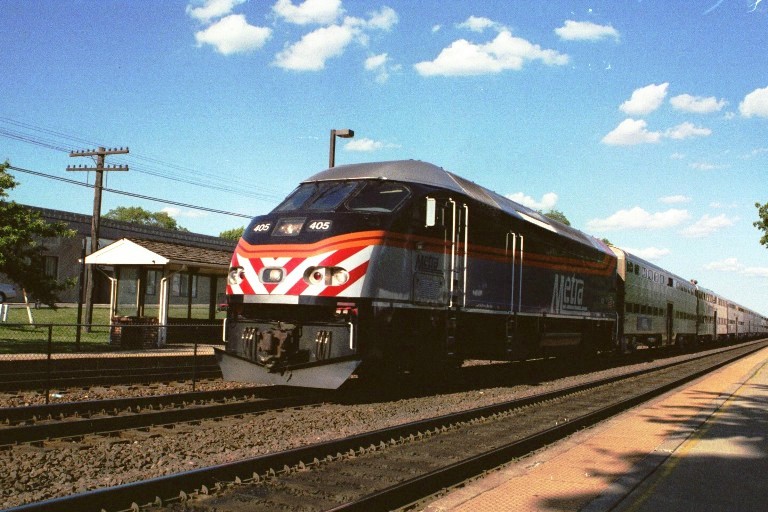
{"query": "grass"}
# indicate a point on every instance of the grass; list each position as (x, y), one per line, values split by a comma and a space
(18, 336)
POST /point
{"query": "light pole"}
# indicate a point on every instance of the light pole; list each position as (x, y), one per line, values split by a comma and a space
(346, 133)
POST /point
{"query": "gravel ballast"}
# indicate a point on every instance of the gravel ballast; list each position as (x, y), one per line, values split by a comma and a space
(31, 473)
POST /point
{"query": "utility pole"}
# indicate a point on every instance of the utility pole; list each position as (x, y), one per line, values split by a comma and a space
(100, 154)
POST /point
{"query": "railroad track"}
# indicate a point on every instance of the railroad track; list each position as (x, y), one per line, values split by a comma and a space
(75, 419)
(107, 376)
(394, 467)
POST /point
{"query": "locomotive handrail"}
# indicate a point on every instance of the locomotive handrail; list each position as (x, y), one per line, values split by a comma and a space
(520, 287)
(453, 252)
(512, 284)
(466, 254)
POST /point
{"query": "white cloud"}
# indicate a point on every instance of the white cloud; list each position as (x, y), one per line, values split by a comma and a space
(697, 104)
(380, 65)
(707, 225)
(172, 212)
(687, 130)
(175, 212)
(675, 199)
(719, 205)
(315, 48)
(637, 218)
(210, 9)
(706, 166)
(384, 19)
(755, 104)
(755, 271)
(756, 152)
(585, 31)
(479, 24)
(312, 51)
(645, 99)
(375, 62)
(631, 132)
(233, 34)
(548, 200)
(649, 253)
(366, 145)
(505, 52)
(726, 265)
(321, 12)
(734, 265)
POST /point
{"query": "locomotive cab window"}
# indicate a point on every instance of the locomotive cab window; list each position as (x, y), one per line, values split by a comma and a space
(297, 198)
(379, 196)
(331, 195)
(317, 196)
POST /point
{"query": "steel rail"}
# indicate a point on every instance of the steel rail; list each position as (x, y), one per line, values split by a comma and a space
(186, 413)
(27, 413)
(74, 378)
(180, 486)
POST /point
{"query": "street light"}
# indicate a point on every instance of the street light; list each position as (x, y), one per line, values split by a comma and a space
(345, 133)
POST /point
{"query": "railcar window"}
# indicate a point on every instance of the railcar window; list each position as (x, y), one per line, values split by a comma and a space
(380, 196)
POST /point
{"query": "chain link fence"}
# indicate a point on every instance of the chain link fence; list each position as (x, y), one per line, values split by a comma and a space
(127, 350)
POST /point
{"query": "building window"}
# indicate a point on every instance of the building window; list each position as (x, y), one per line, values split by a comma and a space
(151, 288)
(180, 285)
(51, 266)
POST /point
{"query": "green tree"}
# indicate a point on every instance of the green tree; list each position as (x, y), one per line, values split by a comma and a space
(138, 215)
(232, 234)
(558, 216)
(23, 233)
(762, 223)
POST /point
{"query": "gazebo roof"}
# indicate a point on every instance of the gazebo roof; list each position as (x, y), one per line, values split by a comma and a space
(137, 252)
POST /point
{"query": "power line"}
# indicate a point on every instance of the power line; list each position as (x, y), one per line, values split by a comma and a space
(51, 139)
(129, 194)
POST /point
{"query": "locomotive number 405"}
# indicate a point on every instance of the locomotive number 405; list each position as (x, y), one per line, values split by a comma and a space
(319, 225)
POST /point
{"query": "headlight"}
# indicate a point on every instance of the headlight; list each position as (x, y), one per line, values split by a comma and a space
(271, 275)
(339, 276)
(236, 276)
(288, 227)
(328, 276)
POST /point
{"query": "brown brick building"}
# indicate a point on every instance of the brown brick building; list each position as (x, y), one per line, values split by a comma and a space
(63, 257)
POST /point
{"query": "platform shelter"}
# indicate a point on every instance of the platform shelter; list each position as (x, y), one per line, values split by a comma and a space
(163, 286)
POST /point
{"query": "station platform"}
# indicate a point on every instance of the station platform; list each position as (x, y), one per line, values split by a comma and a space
(703, 447)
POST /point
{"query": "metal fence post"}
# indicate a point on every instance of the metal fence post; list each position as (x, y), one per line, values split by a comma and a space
(48, 365)
(194, 368)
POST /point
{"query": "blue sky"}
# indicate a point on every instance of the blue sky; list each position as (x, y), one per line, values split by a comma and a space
(645, 122)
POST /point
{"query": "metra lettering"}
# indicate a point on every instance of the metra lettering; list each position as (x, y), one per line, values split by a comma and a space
(567, 294)
(427, 263)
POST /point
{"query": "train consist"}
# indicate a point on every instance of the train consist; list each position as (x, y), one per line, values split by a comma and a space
(403, 266)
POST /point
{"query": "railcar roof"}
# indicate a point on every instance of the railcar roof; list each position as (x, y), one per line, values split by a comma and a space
(635, 258)
(416, 171)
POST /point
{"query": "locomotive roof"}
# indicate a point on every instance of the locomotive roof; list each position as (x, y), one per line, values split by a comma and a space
(416, 171)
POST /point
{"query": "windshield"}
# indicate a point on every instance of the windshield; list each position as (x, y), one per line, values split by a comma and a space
(331, 195)
(379, 196)
(297, 198)
(317, 196)
(375, 196)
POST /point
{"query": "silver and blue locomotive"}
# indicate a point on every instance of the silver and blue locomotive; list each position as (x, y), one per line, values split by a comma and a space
(403, 266)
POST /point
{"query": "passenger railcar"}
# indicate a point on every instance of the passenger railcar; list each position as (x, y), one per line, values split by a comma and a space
(656, 307)
(402, 265)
